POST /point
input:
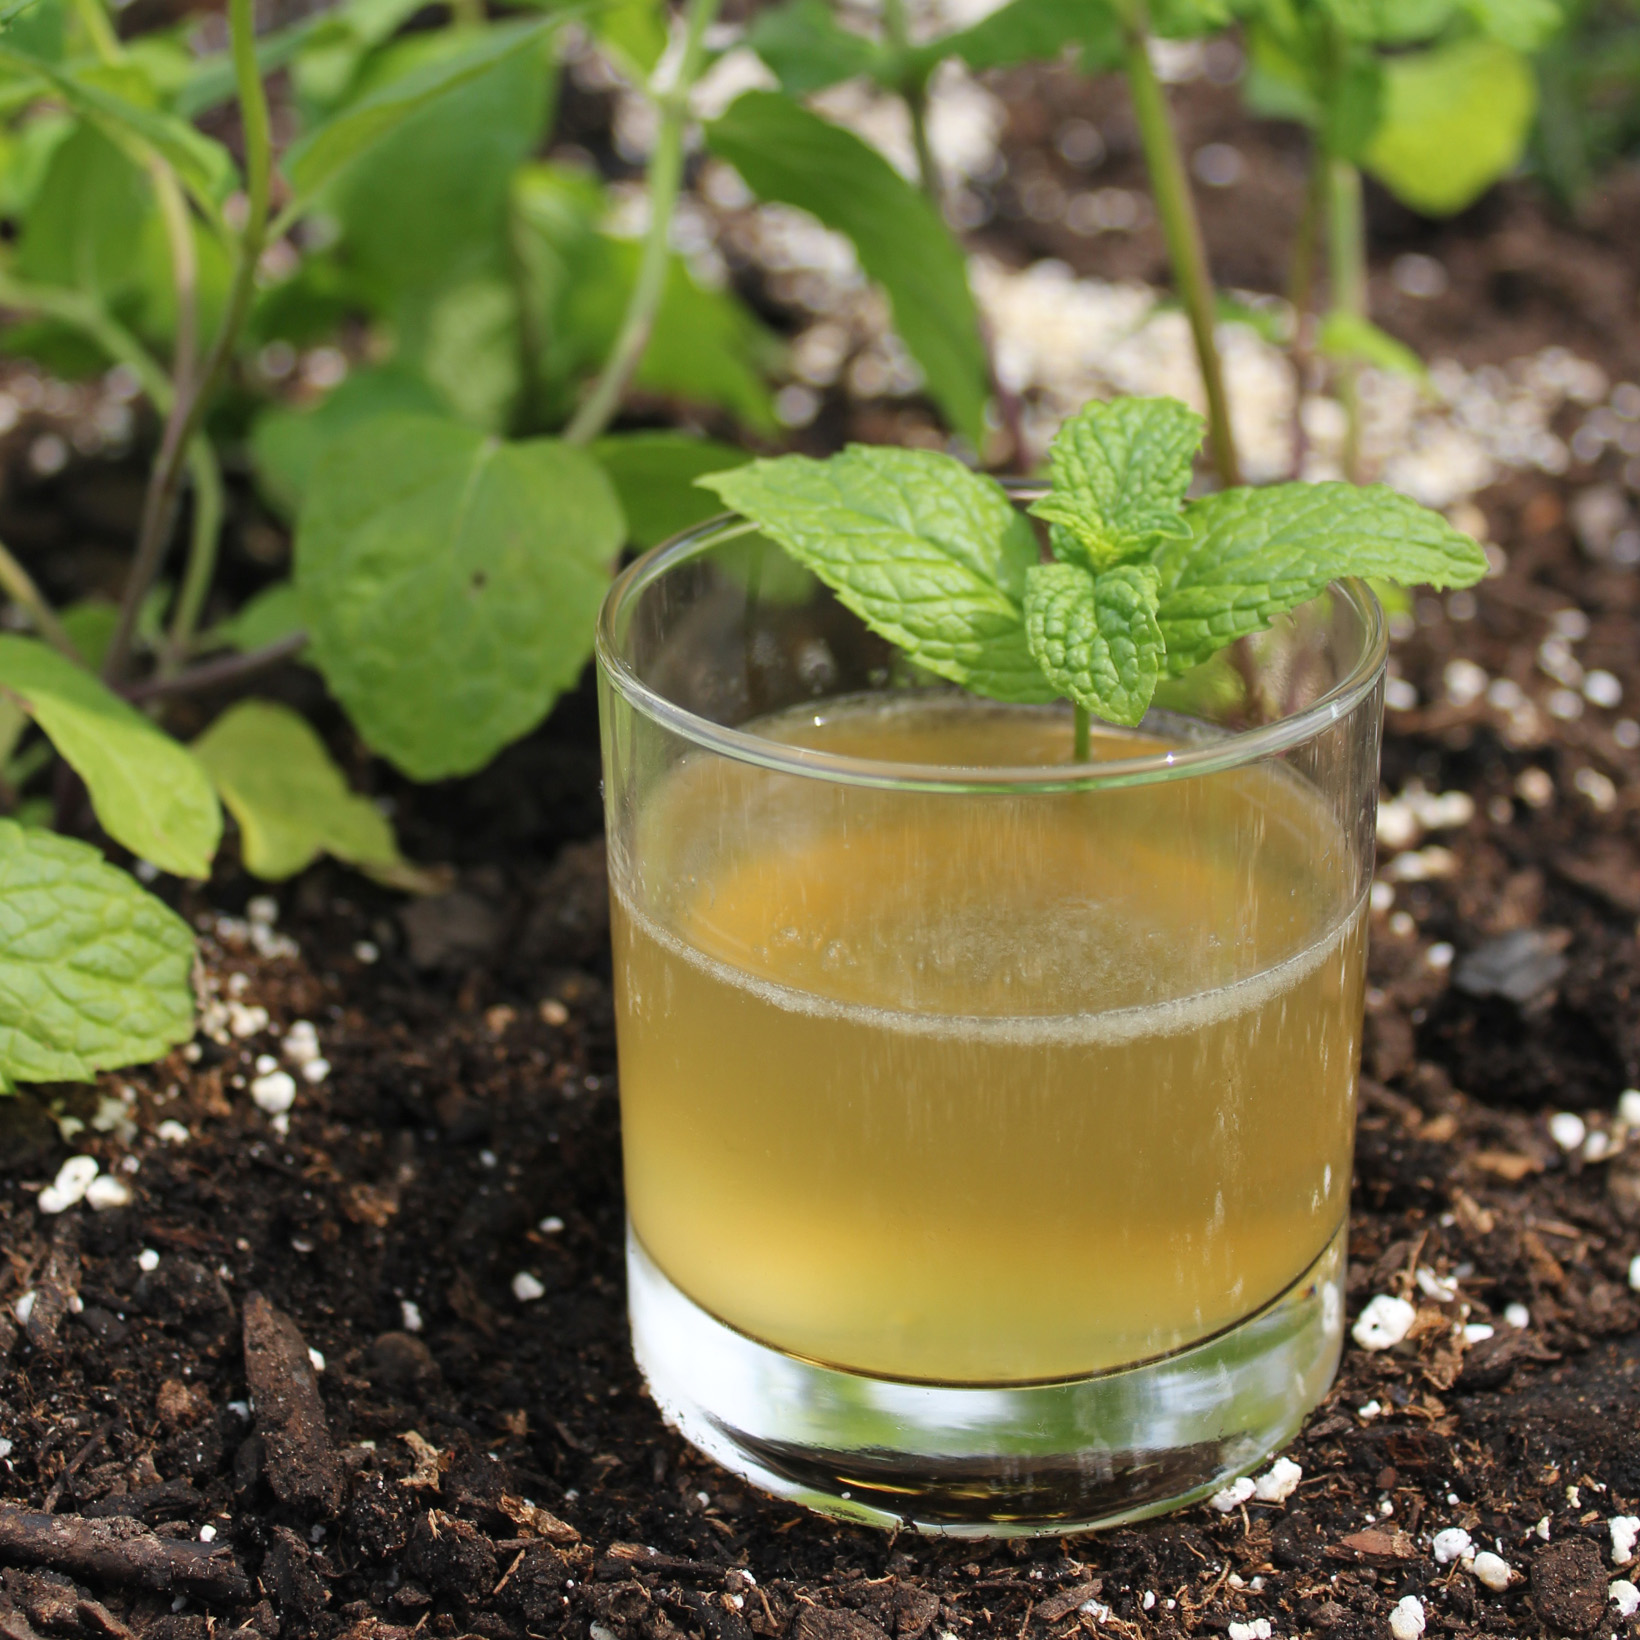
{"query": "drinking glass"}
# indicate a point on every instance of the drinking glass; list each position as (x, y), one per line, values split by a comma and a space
(986, 1114)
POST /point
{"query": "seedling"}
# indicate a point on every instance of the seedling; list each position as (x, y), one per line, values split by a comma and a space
(1142, 584)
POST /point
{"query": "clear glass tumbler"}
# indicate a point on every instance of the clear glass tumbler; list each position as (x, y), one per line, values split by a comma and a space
(987, 1115)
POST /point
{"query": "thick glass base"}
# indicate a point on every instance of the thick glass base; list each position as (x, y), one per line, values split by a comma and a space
(991, 1461)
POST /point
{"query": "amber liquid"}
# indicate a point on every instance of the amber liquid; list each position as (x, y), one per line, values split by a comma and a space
(984, 1088)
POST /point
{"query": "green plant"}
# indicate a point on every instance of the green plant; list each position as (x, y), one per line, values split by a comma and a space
(1141, 584)
(1432, 97)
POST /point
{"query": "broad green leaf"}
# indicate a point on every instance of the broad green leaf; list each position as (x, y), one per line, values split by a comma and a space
(274, 613)
(633, 32)
(1523, 25)
(86, 218)
(425, 211)
(1352, 110)
(451, 583)
(469, 351)
(928, 554)
(1253, 554)
(1025, 31)
(788, 154)
(1456, 119)
(1349, 336)
(808, 49)
(1095, 635)
(94, 972)
(147, 791)
(285, 442)
(37, 27)
(291, 801)
(324, 153)
(90, 626)
(1189, 19)
(26, 154)
(1411, 22)
(109, 98)
(654, 476)
(1120, 472)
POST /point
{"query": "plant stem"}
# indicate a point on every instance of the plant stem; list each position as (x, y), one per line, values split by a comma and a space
(190, 398)
(209, 507)
(212, 674)
(665, 178)
(1182, 230)
(1347, 274)
(1082, 732)
(20, 587)
(99, 30)
(1301, 296)
(913, 90)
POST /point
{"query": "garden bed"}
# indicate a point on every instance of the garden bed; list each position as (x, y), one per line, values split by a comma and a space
(440, 1223)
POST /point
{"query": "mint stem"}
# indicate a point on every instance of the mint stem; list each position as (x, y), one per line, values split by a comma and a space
(598, 409)
(20, 587)
(1082, 745)
(187, 410)
(1347, 272)
(913, 91)
(1182, 230)
(1301, 297)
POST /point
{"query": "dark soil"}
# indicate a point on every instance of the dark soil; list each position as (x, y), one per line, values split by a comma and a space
(468, 1132)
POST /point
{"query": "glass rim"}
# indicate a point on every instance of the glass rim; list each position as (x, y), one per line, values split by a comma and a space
(1236, 749)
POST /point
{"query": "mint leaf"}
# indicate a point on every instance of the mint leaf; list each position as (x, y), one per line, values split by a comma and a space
(808, 49)
(93, 970)
(1095, 636)
(654, 475)
(147, 791)
(291, 801)
(1120, 472)
(929, 555)
(451, 583)
(1253, 554)
(786, 153)
(1349, 336)
(1034, 30)
(330, 148)
(1456, 119)
(274, 613)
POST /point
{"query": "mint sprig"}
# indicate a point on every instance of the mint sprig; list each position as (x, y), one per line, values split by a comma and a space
(1141, 584)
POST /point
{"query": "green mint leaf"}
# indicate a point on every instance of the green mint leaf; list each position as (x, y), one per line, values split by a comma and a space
(332, 147)
(291, 801)
(94, 972)
(807, 49)
(274, 613)
(1253, 554)
(148, 792)
(451, 583)
(1024, 31)
(1349, 336)
(117, 101)
(1455, 120)
(1120, 472)
(929, 555)
(1095, 636)
(654, 475)
(787, 154)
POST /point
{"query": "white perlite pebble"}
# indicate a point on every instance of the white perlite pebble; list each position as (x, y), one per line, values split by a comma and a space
(410, 1313)
(301, 1042)
(172, 1133)
(1628, 1107)
(148, 1261)
(106, 1193)
(1278, 1482)
(274, 1093)
(1625, 1531)
(1625, 1597)
(1233, 1496)
(317, 1358)
(1517, 1315)
(1258, 1629)
(1634, 1272)
(1384, 1322)
(1567, 1129)
(24, 1307)
(69, 1187)
(1451, 1544)
(1406, 1622)
(526, 1289)
(6, 1448)
(1492, 1571)
(316, 1070)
